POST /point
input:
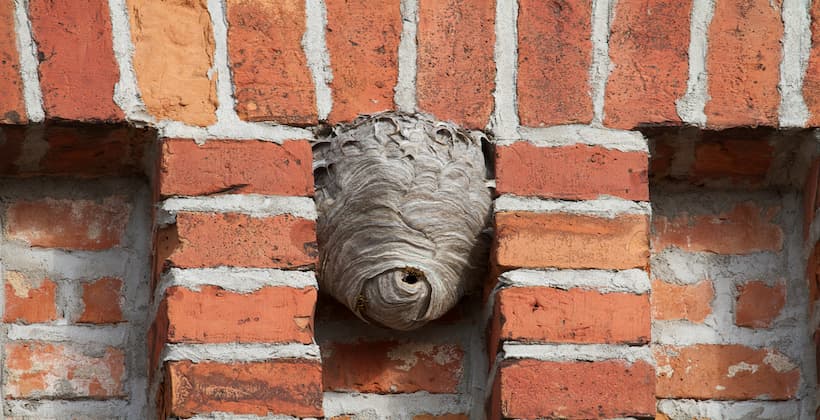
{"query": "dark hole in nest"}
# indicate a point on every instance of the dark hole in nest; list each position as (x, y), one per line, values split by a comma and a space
(411, 278)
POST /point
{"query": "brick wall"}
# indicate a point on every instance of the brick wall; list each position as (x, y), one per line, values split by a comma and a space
(630, 266)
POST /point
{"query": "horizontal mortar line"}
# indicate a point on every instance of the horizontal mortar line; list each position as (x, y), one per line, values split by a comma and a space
(577, 352)
(218, 415)
(789, 408)
(570, 135)
(341, 403)
(605, 281)
(681, 333)
(251, 204)
(240, 280)
(239, 352)
(605, 206)
(112, 335)
(44, 407)
(234, 130)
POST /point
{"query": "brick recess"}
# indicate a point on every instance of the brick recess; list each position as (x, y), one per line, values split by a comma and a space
(12, 108)
(456, 71)
(77, 66)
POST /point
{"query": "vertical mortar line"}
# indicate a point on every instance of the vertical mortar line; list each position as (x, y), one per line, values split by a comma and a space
(504, 121)
(29, 70)
(691, 106)
(602, 11)
(225, 111)
(318, 58)
(405, 91)
(794, 61)
(126, 91)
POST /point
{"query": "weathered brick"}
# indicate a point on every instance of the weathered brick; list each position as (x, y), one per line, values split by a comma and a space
(215, 315)
(12, 107)
(173, 56)
(456, 70)
(102, 301)
(691, 302)
(725, 372)
(29, 300)
(388, 367)
(574, 390)
(571, 241)
(543, 314)
(554, 58)
(745, 229)
(291, 387)
(270, 73)
(811, 81)
(362, 40)
(90, 225)
(78, 71)
(41, 370)
(759, 304)
(741, 160)
(244, 166)
(743, 63)
(577, 172)
(212, 240)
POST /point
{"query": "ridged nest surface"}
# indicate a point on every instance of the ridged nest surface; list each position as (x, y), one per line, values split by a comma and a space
(403, 205)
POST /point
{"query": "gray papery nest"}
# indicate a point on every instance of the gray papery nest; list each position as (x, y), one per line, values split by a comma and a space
(403, 204)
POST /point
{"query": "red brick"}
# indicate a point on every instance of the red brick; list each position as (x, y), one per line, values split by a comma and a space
(562, 240)
(362, 40)
(649, 50)
(577, 172)
(212, 240)
(725, 372)
(743, 63)
(214, 315)
(554, 58)
(811, 81)
(291, 387)
(543, 314)
(743, 161)
(745, 229)
(78, 71)
(388, 367)
(691, 302)
(270, 73)
(456, 70)
(42, 370)
(102, 301)
(574, 390)
(245, 166)
(12, 107)
(29, 300)
(758, 304)
(90, 225)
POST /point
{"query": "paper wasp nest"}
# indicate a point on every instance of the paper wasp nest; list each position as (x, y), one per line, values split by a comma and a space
(403, 204)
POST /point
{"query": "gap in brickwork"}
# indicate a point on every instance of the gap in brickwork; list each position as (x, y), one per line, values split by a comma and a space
(730, 300)
(75, 224)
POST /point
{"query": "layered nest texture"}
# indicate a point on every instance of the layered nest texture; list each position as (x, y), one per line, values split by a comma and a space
(403, 206)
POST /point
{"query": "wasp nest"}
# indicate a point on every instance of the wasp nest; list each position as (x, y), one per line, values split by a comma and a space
(403, 204)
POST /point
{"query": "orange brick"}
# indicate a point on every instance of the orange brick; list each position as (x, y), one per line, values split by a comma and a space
(214, 315)
(213, 240)
(78, 71)
(543, 314)
(42, 370)
(270, 73)
(291, 387)
(534, 240)
(12, 108)
(691, 302)
(388, 367)
(244, 166)
(739, 159)
(456, 71)
(725, 372)
(575, 390)
(363, 40)
(745, 229)
(101, 300)
(554, 58)
(743, 63)
(84, 224)
(29, 300)
(649, 49)
(572, 172)
(758, 304)
(811, 82)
